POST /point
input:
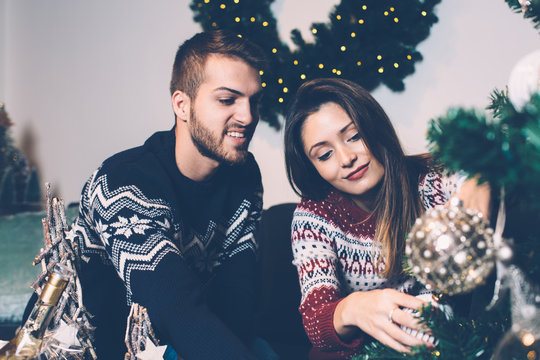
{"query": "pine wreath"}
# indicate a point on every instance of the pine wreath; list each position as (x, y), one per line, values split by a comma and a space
(372, 42)
(529, 8)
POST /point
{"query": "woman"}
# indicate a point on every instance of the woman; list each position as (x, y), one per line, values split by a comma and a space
(360, 196)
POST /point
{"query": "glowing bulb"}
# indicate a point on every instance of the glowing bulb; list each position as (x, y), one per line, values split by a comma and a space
(265, 23)
(280, 80)
(214, 24)
(361, 21)
(223, 6)
(237, 19)
(236, 1)
(396, 65)
(338, 72)
(321, 66)
(261, 72)
(364, 7)
(343, 48)
(527, 339)
(379, 57)
(396, 19)
(386, 13)
(252, 19)
(280, 100)
(314, 30)
(303, 76)
(206, 1)
(263, 84)
(274, 50)
(353, 34)
(409, 57)
(358, 63)
(285, 90)
(392, 9)
(381, 69)
(424, 13)
(338, 17)
(295, 62)
(334, 71)
(239, 35)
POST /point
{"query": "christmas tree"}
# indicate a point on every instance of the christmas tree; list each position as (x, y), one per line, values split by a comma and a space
(19, 186)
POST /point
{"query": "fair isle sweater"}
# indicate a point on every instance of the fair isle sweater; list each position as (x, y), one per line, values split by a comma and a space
(335, 255)
(183, 249)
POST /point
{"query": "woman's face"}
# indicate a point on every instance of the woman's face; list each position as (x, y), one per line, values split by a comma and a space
(333, 145)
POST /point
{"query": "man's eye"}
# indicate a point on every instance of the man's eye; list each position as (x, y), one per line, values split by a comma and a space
(325, 156)
(227, 101)
(355, 137)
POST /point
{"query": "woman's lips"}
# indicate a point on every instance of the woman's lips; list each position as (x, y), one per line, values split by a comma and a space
(358, 173)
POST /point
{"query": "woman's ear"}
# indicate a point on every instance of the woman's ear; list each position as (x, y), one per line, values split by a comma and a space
(181, 105)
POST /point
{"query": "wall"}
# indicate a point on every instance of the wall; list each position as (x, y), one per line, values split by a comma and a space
(83, 80)
(3, 27)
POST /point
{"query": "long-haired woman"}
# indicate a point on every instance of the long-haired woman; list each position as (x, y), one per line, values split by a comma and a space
(360, 196)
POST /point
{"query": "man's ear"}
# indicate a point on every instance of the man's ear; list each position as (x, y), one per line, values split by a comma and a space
(181, 105)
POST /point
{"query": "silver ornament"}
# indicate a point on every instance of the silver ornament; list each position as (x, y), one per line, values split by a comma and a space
(450, 249)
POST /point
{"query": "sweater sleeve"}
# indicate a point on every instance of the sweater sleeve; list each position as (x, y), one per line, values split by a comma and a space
(316, 260)
(436, 189)
(137, 234)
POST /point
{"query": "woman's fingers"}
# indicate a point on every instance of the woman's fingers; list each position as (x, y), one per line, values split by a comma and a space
(389, 341)
(406, 319)
(402, 337)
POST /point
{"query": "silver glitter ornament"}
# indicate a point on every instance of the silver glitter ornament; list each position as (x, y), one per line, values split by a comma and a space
(450, 249)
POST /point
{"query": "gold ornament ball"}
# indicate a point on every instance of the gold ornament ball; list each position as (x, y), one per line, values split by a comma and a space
(450, 249)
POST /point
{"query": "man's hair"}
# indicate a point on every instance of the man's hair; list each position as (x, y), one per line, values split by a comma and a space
(188, 68)
(397, 204)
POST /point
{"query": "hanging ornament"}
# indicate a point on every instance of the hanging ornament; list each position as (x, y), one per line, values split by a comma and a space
(522, 341)
(450, 249)
(524, 80)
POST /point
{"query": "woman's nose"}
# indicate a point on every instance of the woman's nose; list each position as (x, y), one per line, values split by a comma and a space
(347, 158)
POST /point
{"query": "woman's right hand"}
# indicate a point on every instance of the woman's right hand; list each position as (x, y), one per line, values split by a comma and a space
(370, 311)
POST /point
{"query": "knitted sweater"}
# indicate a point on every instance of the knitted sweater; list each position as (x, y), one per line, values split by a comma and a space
(335, 255)
(185, 250)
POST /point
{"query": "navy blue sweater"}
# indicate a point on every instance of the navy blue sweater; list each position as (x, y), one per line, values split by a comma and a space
(185, 250)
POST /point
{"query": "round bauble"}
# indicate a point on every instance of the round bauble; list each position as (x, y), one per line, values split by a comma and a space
(450, 249)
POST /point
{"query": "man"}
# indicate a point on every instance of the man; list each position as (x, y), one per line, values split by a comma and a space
(170, 224)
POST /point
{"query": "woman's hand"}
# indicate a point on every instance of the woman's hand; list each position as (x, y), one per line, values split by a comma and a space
(371, 310)
(475, 196)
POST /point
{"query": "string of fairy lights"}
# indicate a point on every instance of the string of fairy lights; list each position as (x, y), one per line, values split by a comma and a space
(371, 42)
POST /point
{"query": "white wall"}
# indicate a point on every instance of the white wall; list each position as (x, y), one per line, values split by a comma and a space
(85, 79)
(3, 27)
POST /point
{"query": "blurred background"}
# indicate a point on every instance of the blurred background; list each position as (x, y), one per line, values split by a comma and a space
(82, 80)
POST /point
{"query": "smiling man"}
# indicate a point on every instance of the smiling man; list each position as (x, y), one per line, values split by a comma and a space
(170, 224)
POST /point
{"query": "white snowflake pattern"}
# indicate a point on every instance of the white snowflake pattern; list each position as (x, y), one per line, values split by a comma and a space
(102, 231)
(165, 224)
(132, 225)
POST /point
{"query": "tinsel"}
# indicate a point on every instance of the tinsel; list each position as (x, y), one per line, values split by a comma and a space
(70, 317)
(372, 42)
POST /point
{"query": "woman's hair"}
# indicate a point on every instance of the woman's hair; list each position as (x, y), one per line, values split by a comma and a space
(397, 203)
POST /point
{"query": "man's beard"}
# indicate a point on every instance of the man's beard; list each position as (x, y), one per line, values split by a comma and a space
(212, 147)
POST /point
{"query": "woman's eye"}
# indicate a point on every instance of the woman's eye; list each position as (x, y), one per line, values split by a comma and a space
(355, 137)
(324, 156)
(227, 101)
